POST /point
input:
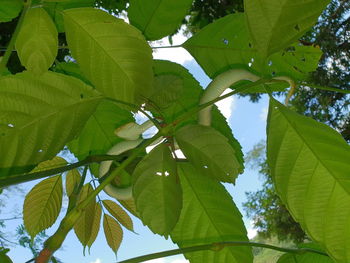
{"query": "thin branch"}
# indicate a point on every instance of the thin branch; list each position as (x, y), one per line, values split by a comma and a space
(217, 247)
(11, 218)
(174, 46)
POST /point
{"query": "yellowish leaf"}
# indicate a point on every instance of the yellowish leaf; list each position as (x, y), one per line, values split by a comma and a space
(118, 213)
(113, 232)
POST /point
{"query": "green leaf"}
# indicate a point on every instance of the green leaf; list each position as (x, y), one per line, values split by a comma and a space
(305, 257)
(118, 213)
(84, 226)
(36, 118)
(123, 73)
(70, 69)
(209, 151)
(157, 191)
(309, 163)
(95, 225)
(129, 205)
(209, 215)
(158, 18)
(275, 24)
(113, 232)
(55, 162)
(72, 181)
(37, 41)
(98, 136)
(42, 205)
(226, 44)
(10, 9)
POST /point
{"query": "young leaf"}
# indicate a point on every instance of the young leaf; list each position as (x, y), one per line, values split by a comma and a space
(157, 191)
(113, 232)
(209, 151)
(95, 228)
(10, 9)
(130, 206)
(55, 162)
(118, 213)
(36, 118)
(309, 163)
(84, 225)
(158, 18)
(274, 24)
(37, 41)
(72, 181)
(226, 44)
(209, 215)
(123, 73)
(42, 205)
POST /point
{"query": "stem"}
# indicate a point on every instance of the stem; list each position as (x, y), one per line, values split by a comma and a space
(21, 178)
(10, 47)
(217, 247)
(174, 46)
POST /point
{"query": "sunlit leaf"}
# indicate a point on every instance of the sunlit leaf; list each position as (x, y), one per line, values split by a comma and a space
(42, 205)
(209, 215)
(72, 181)
(113, 55)
(36, 118)
(37, 41)
(118, 213)
(129, 205)
(275, 24)
(309, 163)
(10, 9)
(158, 18)
(113, 232)
(306, 257)
(157, 191)
(95, 225)
(55, 162)
(209, 151)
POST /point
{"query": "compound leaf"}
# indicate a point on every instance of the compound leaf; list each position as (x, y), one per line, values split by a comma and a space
(42, 205)
(209, 151)
(55, 162)
(95, 225)
(113, 55)
(158, 18)
(113, 232)
(118, 213)
(157, 191)
(37, 41)
(309, 163)
(72, 181)
(212, 216)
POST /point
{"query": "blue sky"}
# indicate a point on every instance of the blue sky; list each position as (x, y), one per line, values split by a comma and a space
(247, 120)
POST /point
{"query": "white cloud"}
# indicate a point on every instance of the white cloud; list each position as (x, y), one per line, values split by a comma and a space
(263, 114)
(227, 106)
(96, 261)
(178, 55)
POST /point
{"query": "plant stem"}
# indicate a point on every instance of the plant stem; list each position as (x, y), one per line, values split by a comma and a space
(10, 47)
(174, 46)
(217, 247)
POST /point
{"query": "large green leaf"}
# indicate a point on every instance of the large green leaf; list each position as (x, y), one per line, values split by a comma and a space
(97, 137)
(37, 41)
(226, 44)
(209, 215)
(310, 166)
(158, 18)
(113, 232)
(42, 205)
(306, 257)
(209, 151)
(10, 9)
(274, 24)
(118, 213)
(39, 116)
(157, 191)
(113, 55)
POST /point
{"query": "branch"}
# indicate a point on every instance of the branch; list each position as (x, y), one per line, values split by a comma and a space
(217, 247)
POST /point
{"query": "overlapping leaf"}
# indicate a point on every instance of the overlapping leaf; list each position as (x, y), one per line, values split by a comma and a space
(129, 205)
(275, 24)
(39, 116)
(209, 151)
(55, 162)
(95, 225)
(37, 41)
(42, 205)
(309, 163)
(118, 213)
(209, 215)
(10, 9)
(157, 191)
(158, 18)
(113, 232)
(226, 44)
(306, 257)
(113, 55)
(72, 181)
